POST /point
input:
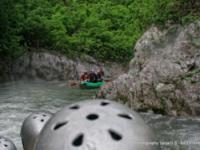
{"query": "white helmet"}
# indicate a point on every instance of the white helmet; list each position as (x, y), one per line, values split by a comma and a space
(32, 127)
(96, 125)
(6, 144)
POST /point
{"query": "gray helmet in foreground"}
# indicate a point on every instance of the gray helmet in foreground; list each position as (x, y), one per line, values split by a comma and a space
(6, 144)
(96, 125)
(32, 127)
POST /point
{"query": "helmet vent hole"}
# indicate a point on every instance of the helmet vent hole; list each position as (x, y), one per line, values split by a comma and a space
(74, 107)
(78, 141)
(114, 135)
(104, 103)
(59, 125)
(126, 116)
(42, 120)
(92, 117)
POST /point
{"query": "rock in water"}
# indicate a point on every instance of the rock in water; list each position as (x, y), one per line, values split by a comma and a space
(32, 127)
(96, 125)
(6, 144)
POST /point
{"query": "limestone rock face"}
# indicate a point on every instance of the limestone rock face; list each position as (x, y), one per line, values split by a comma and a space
(164, 75)
(49, 66)
(44, 66)
(4, 70)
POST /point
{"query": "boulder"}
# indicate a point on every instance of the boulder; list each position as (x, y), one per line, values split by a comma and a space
(164, 75)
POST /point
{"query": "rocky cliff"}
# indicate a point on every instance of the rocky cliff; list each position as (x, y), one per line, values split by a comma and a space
(164, 75)
(51, 66)
(4, 70)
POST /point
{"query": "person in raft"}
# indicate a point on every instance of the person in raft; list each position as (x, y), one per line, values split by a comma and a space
(92, 76)
(100, 75)
(85, 77)
(96, 77)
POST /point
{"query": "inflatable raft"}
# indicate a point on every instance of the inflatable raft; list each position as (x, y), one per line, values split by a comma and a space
(91, 85)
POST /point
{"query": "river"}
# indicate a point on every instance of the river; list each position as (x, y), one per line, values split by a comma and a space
(18, 99)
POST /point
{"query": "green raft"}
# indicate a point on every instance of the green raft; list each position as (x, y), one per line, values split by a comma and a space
(91, 85)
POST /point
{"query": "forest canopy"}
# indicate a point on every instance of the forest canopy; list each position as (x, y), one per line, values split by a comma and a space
(104, 29)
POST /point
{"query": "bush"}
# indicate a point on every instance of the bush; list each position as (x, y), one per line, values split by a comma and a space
(105, 29)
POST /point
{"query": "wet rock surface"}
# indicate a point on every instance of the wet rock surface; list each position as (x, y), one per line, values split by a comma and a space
(164, 75)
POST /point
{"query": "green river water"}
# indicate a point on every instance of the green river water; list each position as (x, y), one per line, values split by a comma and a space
(18, 99)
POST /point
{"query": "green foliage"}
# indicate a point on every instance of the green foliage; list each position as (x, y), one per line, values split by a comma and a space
(178, 11)
(105, 29)
(9, 39)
